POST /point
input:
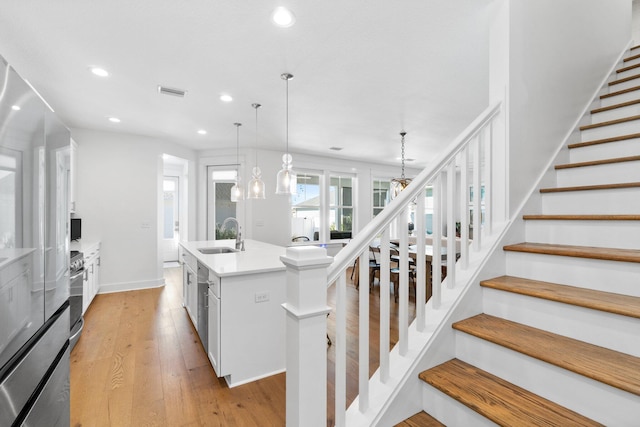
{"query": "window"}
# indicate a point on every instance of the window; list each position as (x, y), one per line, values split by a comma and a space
(381, 194)
(305, 208)
(341, 205)
(219, 204)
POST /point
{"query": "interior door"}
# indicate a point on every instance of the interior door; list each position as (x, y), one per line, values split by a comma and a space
(171, 222)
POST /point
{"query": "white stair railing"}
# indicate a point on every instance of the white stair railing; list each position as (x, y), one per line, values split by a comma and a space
(462, 173)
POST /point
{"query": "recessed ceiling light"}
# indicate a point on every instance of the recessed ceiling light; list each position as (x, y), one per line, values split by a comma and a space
(226, 98)
(15, 107)
(202, 132)
(101, 72)
(283, 17)
(114, 120)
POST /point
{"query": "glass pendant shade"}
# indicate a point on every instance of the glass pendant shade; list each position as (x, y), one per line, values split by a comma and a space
(399, 184)
(287, 180)
(236, 191)
(255, 189)
(256, 185)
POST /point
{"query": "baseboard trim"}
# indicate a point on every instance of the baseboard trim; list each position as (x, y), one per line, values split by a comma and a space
(110, 288)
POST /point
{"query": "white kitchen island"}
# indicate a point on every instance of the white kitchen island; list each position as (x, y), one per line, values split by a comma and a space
(245, 329)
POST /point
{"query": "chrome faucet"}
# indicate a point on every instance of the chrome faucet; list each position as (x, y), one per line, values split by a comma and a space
(239, 241)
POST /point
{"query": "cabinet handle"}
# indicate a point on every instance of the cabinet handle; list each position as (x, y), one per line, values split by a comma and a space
(206, 299)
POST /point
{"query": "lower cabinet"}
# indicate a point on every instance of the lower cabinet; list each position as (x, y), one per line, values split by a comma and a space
(246, 325)
(190, 286)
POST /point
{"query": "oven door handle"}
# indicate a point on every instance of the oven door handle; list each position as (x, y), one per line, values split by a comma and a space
(77, 274)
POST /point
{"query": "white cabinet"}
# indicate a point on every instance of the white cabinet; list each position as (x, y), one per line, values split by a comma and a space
(190, 284)
(91, 279)
(214, 330)
(246, 326)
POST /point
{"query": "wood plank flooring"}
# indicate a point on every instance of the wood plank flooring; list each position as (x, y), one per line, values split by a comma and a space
(139, 362)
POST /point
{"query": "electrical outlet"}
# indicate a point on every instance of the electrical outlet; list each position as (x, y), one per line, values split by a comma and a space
(262, 296)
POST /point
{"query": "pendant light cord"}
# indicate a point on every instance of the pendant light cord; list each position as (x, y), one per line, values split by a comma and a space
(402, 134)
(256, 106)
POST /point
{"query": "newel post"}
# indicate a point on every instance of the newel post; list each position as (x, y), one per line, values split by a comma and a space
(306, 356)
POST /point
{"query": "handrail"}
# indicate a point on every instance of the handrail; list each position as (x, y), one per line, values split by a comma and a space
(362, 239)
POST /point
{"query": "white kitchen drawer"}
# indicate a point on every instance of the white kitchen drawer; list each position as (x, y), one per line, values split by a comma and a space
(190, 260)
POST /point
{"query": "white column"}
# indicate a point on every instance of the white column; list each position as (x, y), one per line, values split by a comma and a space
(306, 325)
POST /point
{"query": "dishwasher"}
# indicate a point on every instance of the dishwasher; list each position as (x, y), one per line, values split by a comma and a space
(203, 306)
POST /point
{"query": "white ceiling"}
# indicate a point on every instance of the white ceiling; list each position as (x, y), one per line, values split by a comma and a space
(363, 70)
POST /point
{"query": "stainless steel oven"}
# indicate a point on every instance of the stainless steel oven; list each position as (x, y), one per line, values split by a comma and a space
(75, 296)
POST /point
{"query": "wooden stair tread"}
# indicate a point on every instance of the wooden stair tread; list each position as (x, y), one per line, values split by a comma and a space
(607, 366)
(498, 400)
(616, 106)
(627, 68)
(607, 254)
(591, 187)
(571, 217)
(619, 92)
(624, 305)
(631, 58)
(598, 162)
(610, 122)
(604, 140)
(421, 419)
(626, 79)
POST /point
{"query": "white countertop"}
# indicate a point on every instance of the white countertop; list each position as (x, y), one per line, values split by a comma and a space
(258, 257)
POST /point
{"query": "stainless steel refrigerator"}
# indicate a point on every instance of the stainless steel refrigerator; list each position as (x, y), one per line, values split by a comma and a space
(34, 258)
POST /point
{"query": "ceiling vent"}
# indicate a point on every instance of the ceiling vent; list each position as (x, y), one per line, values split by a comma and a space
(171, 91)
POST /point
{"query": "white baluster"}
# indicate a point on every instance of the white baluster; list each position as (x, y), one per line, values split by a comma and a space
(464, 208)
(340, 385)
(477, 196)
(421, 277)
(403, 267)
(384, 305)
(436, 276)
(488, 187)
(363, 325)
(451, 224)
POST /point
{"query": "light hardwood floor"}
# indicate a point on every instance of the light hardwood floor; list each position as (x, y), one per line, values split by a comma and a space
(139, 362)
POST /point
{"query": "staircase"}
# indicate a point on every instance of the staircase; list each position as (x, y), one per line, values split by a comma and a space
(558, 343)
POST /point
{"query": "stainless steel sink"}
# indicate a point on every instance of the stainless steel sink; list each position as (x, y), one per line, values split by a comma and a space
(218, 250)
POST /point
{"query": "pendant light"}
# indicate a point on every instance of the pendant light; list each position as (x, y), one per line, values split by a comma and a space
(286, 180)
(255, 190)
(236, 190)
(399, 184)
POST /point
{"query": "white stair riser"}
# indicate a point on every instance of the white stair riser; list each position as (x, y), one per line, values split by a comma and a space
(449, 411)
(605, 234)
(611, 201)
(610, 131)
(624, 148)
(609, 276)
(628, 73)
(618, 99)
(616, 332)
(624, 85)
(616, 113)
(600, 402)
(610, 173)
(624, 64)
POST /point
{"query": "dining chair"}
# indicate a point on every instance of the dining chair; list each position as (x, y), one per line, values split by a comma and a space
(395, 272)
(374, 267)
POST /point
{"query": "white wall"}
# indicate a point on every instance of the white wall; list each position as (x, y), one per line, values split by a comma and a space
(559, 53)
(119, 178)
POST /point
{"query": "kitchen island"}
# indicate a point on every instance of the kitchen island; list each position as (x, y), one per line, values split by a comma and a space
(234, 301)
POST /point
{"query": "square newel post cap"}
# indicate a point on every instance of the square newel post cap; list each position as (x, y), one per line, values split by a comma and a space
(306, 257)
